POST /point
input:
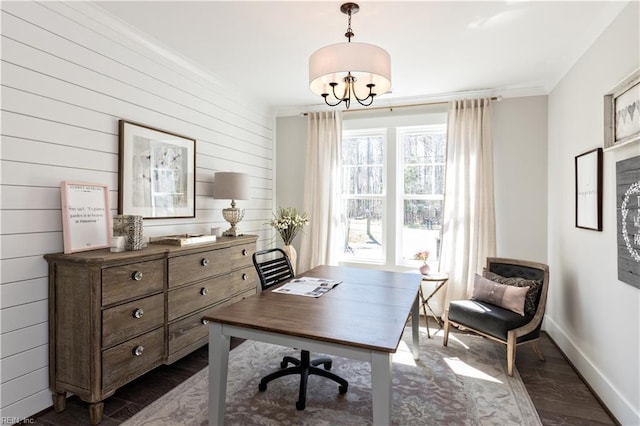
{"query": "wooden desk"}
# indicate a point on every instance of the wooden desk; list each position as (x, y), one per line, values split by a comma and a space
(362, 318)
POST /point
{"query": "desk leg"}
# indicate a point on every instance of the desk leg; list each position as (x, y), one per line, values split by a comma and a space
(415, 327)
(218, 365)
(381, 388)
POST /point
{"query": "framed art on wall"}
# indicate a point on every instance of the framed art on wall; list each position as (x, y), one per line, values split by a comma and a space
(628, 218)
(156, 173)
(622, 112)
(86, 219)
(588, 169)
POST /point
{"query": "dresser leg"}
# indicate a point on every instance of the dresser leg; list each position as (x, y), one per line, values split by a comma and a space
(95, 412)
(59, 401)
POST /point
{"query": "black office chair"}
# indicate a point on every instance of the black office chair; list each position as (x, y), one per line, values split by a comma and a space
(273, 268)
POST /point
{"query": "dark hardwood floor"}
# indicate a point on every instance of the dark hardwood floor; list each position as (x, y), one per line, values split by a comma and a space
(558, 393)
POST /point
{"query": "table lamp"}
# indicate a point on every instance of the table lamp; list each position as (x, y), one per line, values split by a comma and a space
(231, 186)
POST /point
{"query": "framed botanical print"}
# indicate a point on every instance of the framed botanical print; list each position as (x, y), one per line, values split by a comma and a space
(156, 173)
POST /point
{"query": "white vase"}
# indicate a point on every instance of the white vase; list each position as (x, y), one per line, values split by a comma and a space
(293, 255)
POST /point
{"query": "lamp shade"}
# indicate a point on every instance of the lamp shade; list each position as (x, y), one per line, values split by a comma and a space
(231, 186)
(368, 63)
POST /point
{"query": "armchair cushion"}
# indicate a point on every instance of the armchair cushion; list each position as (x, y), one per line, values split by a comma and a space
(506, 296)
(533, 293)
(488, 318)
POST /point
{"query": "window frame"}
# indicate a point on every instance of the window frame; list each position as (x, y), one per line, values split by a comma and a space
(401, 197)
(382, 196)
(433, 117)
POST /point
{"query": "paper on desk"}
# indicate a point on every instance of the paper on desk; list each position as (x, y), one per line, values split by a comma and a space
(308, 286)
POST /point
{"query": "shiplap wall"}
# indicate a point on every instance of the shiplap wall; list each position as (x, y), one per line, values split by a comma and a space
(69, 73)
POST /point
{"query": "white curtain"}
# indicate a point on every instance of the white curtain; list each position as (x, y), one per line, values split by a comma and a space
(469, 234)
(320, 240)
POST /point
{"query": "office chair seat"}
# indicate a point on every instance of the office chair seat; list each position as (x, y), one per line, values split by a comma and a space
(273, 267)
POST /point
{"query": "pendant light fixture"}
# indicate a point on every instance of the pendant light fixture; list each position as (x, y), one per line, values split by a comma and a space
(346, 71)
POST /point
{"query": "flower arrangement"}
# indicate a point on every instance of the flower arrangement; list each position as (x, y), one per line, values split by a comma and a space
(422, 255)
(288, 221)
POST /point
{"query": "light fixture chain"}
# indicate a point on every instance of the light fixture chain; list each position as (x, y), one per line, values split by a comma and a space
(349, 33)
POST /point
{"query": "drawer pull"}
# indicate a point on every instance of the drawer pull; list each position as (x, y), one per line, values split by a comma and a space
(138, 313)
(245, 252)
(137, 351)
(204, 321)
(136, 276)
(203, 291)
(244, 277)
(204, 262)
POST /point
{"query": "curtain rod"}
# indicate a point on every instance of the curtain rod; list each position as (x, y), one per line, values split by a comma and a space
(391, 108)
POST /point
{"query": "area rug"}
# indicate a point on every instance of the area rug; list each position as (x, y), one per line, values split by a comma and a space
(465, 383)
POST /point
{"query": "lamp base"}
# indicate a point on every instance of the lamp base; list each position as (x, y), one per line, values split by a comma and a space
(232, 232)
(232, 215)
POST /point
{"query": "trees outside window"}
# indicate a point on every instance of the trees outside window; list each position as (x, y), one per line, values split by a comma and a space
(392, 188)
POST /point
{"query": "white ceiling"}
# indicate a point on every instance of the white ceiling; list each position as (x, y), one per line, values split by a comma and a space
(437, 48)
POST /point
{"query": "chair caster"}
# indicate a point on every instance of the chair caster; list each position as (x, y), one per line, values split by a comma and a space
(300, 405)
(328, 365)
(284, 364)
(343, 389)
(262, 387)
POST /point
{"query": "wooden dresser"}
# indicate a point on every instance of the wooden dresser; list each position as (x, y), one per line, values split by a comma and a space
(116, 316)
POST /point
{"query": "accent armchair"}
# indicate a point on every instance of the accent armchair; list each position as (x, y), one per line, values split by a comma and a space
(485, 316)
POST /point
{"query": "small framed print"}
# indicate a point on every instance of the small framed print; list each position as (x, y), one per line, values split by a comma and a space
(589, 190)
(622, 112)
(156, 174)
(86, 219)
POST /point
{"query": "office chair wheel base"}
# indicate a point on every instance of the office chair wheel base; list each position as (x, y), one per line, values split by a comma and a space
(300, 405)
(343, 389)
(262, 387)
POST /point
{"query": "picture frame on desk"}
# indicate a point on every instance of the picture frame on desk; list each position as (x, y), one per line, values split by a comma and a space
(156, 172)
(86, 218)
(622, 113)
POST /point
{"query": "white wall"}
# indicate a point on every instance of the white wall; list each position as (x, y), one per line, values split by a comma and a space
(69, 74)
(290, 164)
(520, 177)
(593, 317)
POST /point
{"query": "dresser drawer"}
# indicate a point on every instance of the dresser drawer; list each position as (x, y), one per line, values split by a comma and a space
(196, 296)
(132, 358)
(191, 332)
(242, 280)
(197, 266)
(122, 322)
(130, 281)
(241, 255)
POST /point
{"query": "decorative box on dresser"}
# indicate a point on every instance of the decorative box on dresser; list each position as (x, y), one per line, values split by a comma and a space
(116, 316)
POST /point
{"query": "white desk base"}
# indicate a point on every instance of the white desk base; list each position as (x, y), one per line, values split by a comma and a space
(219, 343)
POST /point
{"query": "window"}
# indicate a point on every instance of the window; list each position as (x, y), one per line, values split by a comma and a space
(363, 191)
(392, 189)
(422, 161)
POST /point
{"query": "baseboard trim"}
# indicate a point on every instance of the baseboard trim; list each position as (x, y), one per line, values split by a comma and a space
(607, 394)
